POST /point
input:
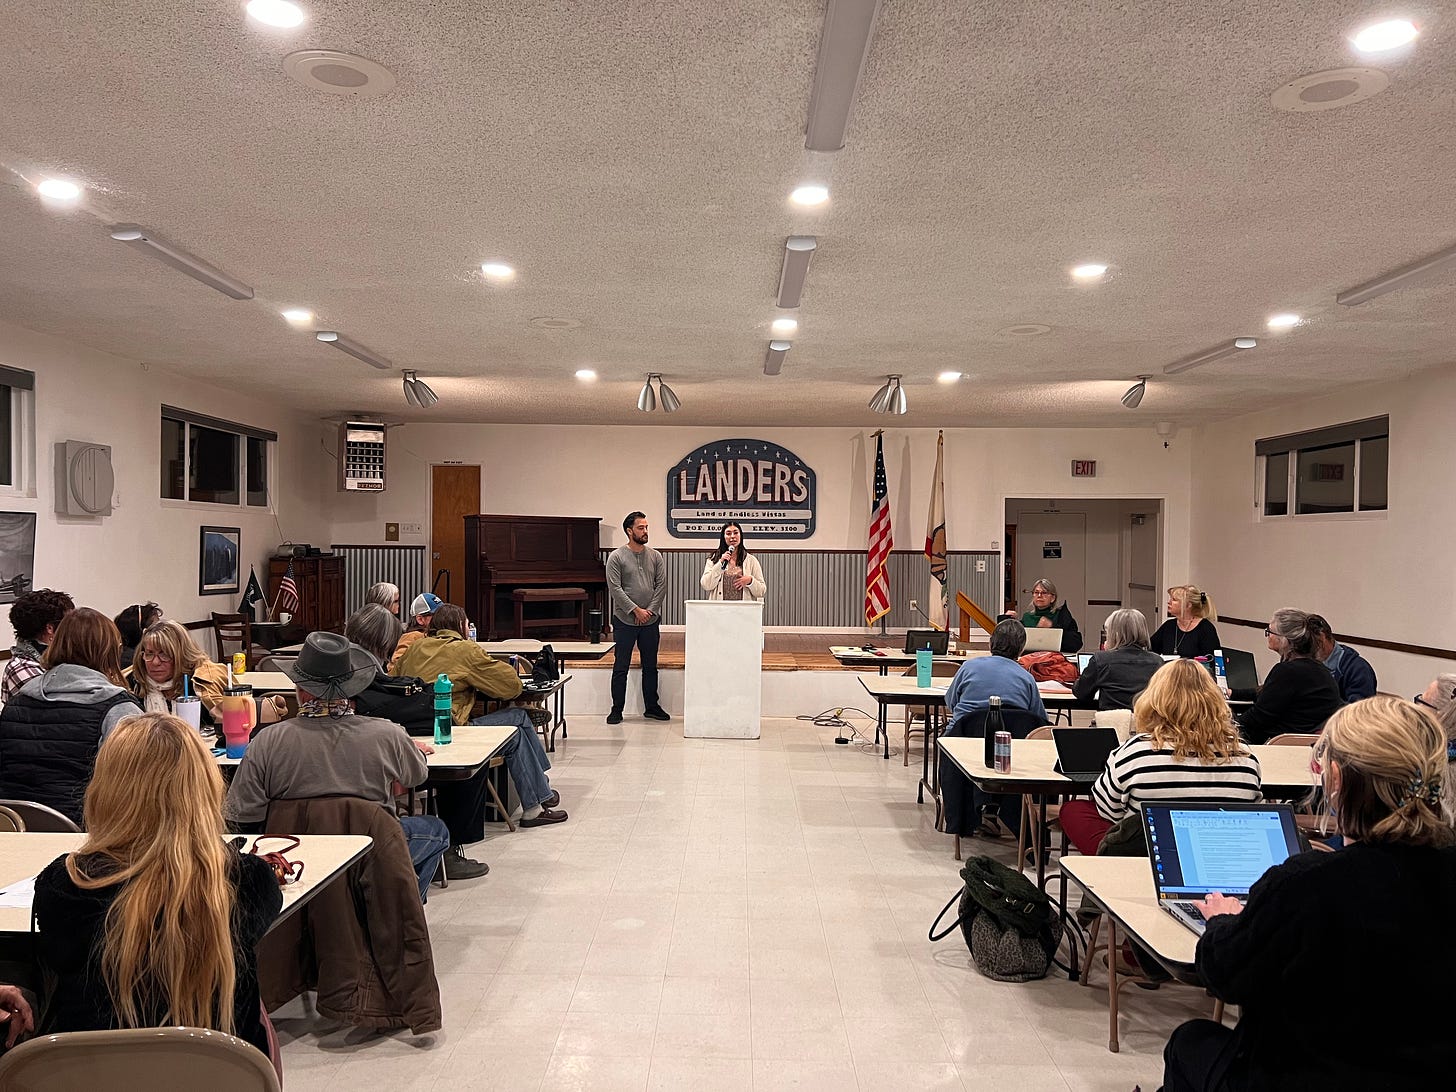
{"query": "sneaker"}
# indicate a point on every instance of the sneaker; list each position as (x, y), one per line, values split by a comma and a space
(460, 867)
(614, 717)
(546, 818)
(657, 714)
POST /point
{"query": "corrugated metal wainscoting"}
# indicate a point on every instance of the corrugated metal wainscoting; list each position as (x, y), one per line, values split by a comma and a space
(364, 566)
(825, 588)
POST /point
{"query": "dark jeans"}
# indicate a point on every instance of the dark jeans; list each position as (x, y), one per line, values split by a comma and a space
(646, 638)
(1197, 1058)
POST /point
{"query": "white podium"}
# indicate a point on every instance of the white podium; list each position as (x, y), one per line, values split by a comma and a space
(722, 669)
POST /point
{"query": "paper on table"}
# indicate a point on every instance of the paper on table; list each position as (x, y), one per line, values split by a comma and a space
(19, 895)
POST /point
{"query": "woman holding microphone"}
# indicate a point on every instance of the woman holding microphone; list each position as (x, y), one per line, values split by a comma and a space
(732, 572)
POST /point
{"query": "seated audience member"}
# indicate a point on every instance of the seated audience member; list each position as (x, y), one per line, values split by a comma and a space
(154, 920)
(1045, 614)
(421, 611)
(1189, 630)
(131, 623)
(1353, 673)
(474, 671)
(52, 727)
(1345, 932)
(15, 1014)
(1186, 748)
(1440, 698)
(34, 617)
(1299, 693)
(386, 595)
(328, 750)
(461, 804)
(996, 675)
(1120, 672)
(165, 654)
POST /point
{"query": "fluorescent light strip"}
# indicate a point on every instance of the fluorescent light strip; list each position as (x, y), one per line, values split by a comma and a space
(1228, 348)
(844, 47)
(1396, 278)
(353, 348)
(153, 245)
(773, 363)
(798, 251)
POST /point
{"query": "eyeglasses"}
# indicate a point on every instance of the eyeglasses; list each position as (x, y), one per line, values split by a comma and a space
(1268, 632)
(153, 657)
(1419, 700)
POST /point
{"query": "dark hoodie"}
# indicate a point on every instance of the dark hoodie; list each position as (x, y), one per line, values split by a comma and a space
(71, 923)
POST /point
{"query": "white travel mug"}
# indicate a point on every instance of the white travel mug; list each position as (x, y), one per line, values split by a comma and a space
(190, 710)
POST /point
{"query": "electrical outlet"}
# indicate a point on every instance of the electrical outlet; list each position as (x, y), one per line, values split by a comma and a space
(914, 605)
(980, 564)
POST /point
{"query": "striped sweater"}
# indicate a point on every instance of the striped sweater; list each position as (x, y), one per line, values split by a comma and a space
(1137, 771)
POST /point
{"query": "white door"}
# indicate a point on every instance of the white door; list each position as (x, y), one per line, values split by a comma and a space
(1143, 592)
(1053, 545)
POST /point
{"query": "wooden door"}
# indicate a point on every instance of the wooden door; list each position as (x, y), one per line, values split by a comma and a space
(454, 494)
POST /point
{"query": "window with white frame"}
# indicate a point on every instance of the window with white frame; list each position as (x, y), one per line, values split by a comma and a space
(17, 389)
(211, 461)
(1325, 471)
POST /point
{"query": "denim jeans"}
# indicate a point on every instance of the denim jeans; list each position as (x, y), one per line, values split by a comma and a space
(646, 638)
(525, 757)
(427, 838)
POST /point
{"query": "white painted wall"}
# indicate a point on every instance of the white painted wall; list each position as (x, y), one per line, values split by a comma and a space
(609, 471)
(147, 549)
(1387, 576)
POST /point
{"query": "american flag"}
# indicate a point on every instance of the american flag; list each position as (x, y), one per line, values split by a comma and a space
(287, 590)
(882, 541)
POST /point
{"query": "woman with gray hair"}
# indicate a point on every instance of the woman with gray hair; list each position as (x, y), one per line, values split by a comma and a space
(1119, 673)
(386, 595)
(1299, 693)
(1046, 614)
(1440, 698)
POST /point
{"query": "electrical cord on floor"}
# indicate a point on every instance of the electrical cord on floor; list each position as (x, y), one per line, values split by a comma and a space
(834, 718)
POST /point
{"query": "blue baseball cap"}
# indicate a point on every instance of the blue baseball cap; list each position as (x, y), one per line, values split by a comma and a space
(425, 603)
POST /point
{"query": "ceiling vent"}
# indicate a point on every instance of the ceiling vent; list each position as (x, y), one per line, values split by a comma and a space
(1329, 90)
(336, 73)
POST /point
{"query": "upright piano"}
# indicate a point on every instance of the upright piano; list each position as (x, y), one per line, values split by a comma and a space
(503, 553)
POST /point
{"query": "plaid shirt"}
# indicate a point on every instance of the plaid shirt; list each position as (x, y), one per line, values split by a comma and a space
(24, 665)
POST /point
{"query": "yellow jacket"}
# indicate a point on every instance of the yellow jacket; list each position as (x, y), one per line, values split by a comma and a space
(471, 670)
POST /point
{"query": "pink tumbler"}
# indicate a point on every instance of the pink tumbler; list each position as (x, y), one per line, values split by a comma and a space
(238, 718)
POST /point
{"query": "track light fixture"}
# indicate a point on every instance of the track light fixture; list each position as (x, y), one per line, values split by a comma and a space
(153, 245)
(417, 392)
(353, 348)
(647, 400)
(891, 397)
(1134, 396)
(1218, 352)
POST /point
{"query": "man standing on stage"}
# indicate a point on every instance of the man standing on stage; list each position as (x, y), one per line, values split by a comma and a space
(636, 575)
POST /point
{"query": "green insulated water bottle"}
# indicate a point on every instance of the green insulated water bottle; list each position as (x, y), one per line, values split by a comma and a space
(442, 710)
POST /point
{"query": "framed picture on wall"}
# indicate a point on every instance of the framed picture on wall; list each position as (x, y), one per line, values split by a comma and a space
(218, 560)
(17, 554)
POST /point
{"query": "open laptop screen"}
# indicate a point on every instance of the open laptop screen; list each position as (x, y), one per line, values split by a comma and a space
(1199, 848)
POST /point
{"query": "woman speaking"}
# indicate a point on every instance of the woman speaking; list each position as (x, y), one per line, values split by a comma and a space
(732, 572)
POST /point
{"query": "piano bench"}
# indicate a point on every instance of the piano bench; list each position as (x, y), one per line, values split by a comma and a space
(522, 596)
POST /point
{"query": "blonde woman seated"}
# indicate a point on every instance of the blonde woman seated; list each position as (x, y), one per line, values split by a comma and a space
(1186, 748)
(154, 920)
(732, 572)
(1328, 957)
(166, 653)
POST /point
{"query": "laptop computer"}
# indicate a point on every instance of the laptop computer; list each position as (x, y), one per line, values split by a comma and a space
(937, 640)
(1198, 848)
(1082, 752)
(1083, 659)
(1043, 640)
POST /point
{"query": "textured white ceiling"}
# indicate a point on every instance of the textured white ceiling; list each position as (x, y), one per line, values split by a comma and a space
(633, 159)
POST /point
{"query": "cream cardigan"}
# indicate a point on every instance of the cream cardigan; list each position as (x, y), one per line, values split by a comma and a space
(713, 574)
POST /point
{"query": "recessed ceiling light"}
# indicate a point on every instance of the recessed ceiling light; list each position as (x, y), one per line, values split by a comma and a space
(498, 271)
(275, 13)
(586, 375)
(298, 314)
(58, 189)
(1089, 271)
(784, 326)
(1378, 37)
(810, 195)
(948, 377)
(1283, 321)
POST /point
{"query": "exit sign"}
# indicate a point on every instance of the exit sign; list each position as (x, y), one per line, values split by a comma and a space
(1084, 468)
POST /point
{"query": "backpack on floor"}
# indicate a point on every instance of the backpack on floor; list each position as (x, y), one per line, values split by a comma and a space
(1008, 923)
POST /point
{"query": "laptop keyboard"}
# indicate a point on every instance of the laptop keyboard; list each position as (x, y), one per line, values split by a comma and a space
(1191, 909)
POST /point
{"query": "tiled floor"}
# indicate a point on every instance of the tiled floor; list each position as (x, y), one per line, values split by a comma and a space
(728, 915)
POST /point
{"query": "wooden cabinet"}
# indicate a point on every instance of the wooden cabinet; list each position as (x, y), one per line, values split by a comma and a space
(320, 583)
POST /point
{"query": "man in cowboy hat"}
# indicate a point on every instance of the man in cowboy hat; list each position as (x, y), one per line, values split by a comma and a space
(327, 750)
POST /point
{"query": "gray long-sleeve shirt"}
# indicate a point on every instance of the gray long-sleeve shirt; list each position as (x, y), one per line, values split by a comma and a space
(636, 580)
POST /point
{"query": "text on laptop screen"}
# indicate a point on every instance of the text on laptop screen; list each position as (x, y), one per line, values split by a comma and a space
(1199, 851)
